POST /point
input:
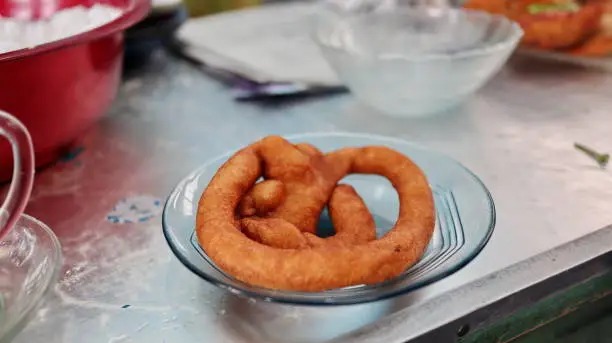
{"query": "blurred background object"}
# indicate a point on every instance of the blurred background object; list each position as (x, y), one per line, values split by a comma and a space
(575, 27)
(30, 253)
(407, 60)
(61, 87)
(197, 8)
(153, 32)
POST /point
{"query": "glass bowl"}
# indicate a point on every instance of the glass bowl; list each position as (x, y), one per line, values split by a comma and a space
(406, 60)
(465, 221)
(30, 261)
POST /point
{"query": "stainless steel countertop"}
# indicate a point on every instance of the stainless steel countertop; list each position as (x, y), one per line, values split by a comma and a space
(516, 134)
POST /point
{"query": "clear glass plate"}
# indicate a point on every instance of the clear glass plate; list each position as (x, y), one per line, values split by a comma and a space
(465, 221)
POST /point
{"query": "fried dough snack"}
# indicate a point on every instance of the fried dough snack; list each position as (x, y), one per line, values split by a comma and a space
(549, 28)
(263, 198)
(598, 46)
(559, 30)
(352, 222)
(491, 6)
(296, 259)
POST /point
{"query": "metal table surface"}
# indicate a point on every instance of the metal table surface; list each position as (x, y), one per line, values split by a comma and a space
(121, 283)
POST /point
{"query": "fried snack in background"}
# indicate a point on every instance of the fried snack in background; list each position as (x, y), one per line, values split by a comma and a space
(599, 45)
(491, 6)
(605, 24)
(559, 30)
(308, 180)
(548, 24)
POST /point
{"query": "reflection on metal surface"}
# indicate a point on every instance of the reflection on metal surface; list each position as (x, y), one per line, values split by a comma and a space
(510, 303)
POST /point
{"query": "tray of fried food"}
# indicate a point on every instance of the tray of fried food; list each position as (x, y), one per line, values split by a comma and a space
(563, 30)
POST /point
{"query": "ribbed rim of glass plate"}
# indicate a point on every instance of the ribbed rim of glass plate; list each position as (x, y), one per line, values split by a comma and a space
(507, 44)
(19, 323)
(332, 297)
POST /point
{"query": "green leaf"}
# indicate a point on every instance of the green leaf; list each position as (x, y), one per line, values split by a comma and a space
(601, 159)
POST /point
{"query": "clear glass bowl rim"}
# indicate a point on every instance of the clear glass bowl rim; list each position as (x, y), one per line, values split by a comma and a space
(508, 44)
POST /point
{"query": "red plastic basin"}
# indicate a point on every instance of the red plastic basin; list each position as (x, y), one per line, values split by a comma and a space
(61, 88)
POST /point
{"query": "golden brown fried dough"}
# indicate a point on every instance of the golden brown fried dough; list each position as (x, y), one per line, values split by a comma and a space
(598, 46)
(551, 29)
(490, 6)
(352, 222)
(308, 182)
(263, 198)
(274, 232)
(309, 150)
(307, 179)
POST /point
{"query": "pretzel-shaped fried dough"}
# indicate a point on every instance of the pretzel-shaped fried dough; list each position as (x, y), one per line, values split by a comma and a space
(264, 234)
